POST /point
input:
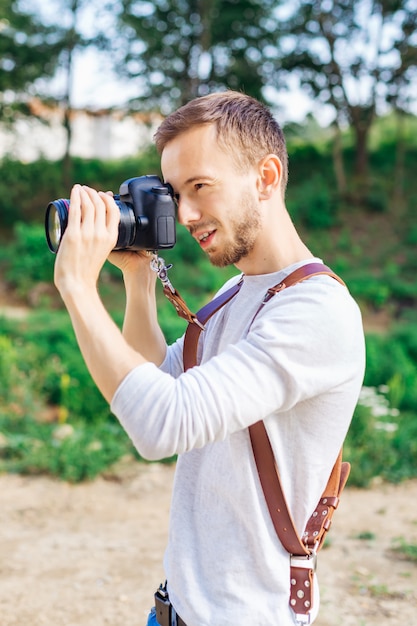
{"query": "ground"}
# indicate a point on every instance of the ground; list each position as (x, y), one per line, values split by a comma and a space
(90, 554)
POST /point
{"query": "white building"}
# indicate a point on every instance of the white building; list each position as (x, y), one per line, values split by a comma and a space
(102, 134)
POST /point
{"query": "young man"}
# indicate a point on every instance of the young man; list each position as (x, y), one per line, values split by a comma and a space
(298, 366)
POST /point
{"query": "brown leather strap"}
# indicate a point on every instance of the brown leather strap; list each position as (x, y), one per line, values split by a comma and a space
(194, 329)
(180, 305)
(303, 551)
(203, 315)
(304, 272)
(274, 494)
(319, 522)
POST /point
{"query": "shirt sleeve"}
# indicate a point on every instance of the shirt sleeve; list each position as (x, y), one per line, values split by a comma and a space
(303, 343)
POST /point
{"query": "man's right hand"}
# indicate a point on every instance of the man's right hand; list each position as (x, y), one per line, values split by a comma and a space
(130, 261)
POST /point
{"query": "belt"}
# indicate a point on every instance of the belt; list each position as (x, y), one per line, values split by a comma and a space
(165, 612)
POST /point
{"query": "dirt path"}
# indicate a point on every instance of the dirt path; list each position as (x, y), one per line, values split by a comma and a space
(90, 554)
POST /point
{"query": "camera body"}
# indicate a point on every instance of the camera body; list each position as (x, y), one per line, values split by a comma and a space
(147, 216)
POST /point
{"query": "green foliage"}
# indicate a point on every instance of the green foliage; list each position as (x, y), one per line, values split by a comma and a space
(391, 360)
(368, 444)
(51, 366)
(27, 188)
(42, 373)
(405, 549)
(74, 451)
(28, 51)
(311, 197)
(375, 290)
(311, 203)
(29, 261)
(326, 76)
(381, 440)
(234, 40)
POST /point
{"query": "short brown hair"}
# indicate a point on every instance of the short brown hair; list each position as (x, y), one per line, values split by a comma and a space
(245, 128)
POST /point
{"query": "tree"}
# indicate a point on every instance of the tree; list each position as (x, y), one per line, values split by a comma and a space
(178, 49)
(28, 51)
(71, 41)
(357, 56)
(78, 24)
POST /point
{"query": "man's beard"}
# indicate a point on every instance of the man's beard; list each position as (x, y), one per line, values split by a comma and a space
(245, 232)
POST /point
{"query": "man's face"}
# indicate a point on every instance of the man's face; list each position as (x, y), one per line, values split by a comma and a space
(216, 203)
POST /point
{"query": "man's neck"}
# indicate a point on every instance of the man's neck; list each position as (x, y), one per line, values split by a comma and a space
(269, 257)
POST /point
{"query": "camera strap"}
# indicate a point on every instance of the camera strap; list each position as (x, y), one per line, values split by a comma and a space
(302, 550)
(158, 266)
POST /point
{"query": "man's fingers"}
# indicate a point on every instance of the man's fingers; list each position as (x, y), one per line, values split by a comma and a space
(74, 214)
(112, 210)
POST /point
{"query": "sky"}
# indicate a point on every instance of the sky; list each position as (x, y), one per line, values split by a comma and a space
(96, 86)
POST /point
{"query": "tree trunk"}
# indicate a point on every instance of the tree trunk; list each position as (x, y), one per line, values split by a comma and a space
(361, 158)
(67, 99)
(398, 193)
(338, 162)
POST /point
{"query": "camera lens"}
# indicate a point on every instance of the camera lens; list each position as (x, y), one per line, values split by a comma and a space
(56, 220)
(127, 225)
(147, 216)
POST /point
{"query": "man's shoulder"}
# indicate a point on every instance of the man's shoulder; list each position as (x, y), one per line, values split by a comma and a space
(229, 283)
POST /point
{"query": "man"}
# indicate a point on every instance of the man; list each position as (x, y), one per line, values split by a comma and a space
(298, 366)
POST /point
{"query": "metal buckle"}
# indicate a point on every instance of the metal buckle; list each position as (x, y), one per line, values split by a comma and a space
(302, 619)
(309, 561)
(272, 291)
(158, 266)
(305, 562)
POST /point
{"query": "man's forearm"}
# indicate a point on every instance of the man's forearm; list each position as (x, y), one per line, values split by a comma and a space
(140, 327)
(106, 352)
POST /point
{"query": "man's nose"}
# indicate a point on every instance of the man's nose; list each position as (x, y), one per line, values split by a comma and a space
(187, 212)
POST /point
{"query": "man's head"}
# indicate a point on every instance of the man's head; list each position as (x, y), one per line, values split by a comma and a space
(245, 128)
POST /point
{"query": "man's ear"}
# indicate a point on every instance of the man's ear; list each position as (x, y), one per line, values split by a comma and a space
(269, 176)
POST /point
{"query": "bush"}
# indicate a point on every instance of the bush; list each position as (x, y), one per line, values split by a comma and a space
(50, 365)
(27, 188)
(73, 451)
(312, 204)
(365, 448)
(381, 441)
(391, 361)
(28, 259)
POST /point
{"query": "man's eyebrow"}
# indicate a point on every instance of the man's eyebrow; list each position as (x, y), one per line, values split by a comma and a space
(192, 179)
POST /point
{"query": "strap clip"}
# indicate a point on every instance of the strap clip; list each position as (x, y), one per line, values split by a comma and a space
(158, 266)
(304, 562)
(272, 291)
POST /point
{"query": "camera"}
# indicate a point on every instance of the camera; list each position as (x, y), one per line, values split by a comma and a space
(147, 216)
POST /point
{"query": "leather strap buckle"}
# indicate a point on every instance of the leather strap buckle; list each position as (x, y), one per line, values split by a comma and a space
(304, 562)
(302, 570)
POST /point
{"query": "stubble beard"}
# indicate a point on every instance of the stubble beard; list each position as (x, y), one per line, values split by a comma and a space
(245, 232)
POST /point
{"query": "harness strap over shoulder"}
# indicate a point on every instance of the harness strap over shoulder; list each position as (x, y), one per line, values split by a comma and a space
(303, 551)
(193, 331)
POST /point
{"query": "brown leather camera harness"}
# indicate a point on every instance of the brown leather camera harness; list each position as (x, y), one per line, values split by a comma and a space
(302, 550)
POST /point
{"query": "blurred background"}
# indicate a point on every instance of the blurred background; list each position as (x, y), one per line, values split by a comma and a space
(83, 86)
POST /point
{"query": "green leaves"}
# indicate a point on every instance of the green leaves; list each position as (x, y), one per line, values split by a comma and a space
(28, 51)
(180, 49)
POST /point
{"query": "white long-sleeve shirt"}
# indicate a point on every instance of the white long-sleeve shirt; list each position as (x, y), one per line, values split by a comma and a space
(299, 367)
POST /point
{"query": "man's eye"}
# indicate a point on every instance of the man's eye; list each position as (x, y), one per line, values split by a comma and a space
(198, 186)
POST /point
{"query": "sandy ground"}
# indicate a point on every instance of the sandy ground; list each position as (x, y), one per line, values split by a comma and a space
(90, 554)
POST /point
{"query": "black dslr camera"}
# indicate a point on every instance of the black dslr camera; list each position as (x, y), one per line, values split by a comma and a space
(147, 216)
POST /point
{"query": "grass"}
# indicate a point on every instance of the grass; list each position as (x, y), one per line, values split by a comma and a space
(405, 549)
